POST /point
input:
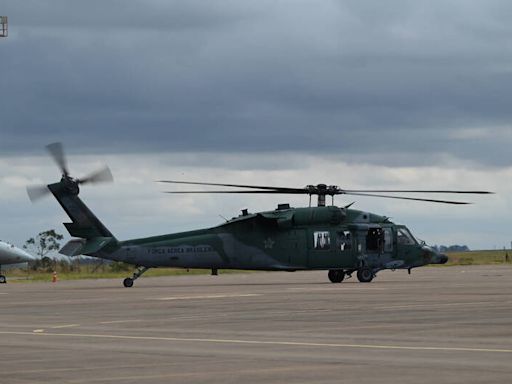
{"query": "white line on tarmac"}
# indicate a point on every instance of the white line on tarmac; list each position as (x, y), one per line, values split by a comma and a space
(256, 342)
(434, 305)
(65, 326)
(338, 288)
(204, 297)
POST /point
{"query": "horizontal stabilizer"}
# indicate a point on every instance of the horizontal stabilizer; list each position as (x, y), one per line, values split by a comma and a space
(90, 246)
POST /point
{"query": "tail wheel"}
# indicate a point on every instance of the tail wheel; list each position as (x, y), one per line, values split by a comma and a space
(336, 275)
(365, 275)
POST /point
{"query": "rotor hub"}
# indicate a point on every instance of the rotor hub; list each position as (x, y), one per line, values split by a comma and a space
(322, 189)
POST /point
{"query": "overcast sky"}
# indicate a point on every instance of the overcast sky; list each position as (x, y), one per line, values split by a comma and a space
(361, 94)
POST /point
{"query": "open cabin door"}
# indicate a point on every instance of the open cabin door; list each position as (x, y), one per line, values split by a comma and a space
(373, 245)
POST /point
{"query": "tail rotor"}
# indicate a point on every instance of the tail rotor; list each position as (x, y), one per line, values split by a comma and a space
(100, 176)
(56, 151)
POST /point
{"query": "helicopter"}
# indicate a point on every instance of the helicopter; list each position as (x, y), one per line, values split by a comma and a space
(339, 240)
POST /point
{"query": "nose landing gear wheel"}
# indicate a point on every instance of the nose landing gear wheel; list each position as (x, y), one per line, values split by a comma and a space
(365, 275)
(128, 282)
(336, 275)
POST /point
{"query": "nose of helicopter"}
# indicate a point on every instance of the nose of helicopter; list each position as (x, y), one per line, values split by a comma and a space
(434, 256)
(439, 259)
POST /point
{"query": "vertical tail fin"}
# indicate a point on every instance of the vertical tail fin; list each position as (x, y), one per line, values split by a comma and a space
(84, 223)
(94, 236)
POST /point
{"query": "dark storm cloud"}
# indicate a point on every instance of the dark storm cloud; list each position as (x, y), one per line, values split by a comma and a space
(379, 81)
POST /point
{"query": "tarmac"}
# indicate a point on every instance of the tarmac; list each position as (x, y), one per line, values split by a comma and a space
(437, 325)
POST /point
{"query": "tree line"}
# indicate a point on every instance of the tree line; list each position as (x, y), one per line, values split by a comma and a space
(46, 243)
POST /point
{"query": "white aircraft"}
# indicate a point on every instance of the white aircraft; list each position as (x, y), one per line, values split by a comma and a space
(9, 254)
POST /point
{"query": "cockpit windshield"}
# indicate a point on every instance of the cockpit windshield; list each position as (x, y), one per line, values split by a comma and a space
(405, 237)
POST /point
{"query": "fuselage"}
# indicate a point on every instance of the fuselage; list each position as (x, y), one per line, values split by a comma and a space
(328, 238)
(9, 254)
(286, 239)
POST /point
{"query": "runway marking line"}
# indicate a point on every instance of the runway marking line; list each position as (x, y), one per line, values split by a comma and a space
(120, 321)
(338, 289)
(65, 326)
(439, 305)
(216, 373)
(257, 342)
(223, 373)
(220, 296)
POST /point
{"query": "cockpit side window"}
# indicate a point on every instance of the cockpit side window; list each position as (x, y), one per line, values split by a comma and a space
(404, 237)
(388, 240)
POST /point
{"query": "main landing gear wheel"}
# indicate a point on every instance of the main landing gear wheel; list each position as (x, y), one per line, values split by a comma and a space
(3, 280)
(365, 275)
(336, 275)
(128, 282)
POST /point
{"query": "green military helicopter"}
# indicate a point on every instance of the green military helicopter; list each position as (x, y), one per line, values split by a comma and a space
(337, 239)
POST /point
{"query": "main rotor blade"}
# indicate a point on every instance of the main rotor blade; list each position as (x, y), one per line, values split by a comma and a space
(409, 198)
(101, 176)
(37, 192)
(411, 191)
(302, 192)
(284, 189)
(340, 191)
(264, 191)
(57, 152)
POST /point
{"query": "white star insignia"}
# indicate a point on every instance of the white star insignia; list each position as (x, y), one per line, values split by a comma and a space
(269, 243)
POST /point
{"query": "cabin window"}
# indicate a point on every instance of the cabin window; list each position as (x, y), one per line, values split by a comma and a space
(322, 240)
(388, 240)
(404, 237)
(375, 240)
(344, 240)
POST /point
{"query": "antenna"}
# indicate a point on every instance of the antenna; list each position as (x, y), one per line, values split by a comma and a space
(224, 218)
(3, 26)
